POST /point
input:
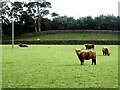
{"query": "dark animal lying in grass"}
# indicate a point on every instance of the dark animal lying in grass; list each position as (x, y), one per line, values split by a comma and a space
(86, 55)
(89, 46)
(106, 51)
(23, 45)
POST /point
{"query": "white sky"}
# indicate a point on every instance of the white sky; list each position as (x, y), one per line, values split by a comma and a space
(82, 8)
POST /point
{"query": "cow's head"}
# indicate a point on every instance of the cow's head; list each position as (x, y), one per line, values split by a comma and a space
(108, 53)
(78, 51)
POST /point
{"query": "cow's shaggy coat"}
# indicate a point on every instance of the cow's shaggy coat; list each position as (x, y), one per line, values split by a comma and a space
(89, 46)
(86, 55)
(106, 51)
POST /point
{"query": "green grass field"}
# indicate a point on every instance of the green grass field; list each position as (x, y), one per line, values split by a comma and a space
(72, 36)
(57, 66)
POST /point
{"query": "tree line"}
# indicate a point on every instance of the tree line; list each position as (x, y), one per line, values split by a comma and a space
(30, 17)
(101, 22)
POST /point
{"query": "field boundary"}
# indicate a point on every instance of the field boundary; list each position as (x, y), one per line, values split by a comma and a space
(82, 31)
(65, 42)
(70, 31)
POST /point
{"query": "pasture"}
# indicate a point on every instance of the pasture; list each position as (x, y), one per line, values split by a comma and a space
(71, 36)
(57, 66)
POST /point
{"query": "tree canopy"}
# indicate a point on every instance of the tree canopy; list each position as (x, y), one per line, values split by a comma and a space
(29, 17)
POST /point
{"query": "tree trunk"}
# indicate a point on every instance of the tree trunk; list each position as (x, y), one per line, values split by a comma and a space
(39, 24)
(35, 27)
(39, 20)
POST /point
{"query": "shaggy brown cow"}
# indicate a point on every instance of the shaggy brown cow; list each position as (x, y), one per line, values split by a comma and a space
(23, 45)
(89, 46)
(106, 51)
(86, 55)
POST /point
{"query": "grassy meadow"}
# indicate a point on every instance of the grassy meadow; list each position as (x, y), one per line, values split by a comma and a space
(72, 36)
(57, 66)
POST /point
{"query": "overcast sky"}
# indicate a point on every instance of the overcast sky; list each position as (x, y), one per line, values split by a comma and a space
(82, 8)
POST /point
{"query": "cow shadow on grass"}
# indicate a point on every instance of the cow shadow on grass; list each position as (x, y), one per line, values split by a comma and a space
(76, 65)
(100, 55)
(68, 65)
(71, 65)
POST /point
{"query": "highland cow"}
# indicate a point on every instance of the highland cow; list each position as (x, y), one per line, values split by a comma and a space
(86, 55)
(89, 46)
(23, 45)
(106, 51)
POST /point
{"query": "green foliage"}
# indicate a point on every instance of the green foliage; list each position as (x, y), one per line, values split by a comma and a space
(54, 14)
(57, 66)
(106, 22)
(24, 19)
(46, 24)
(118, 22)
(101, 22)
(63, 22)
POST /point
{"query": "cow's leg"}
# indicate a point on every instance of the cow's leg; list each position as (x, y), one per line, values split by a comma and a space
(103, 53)
(94, 61)
(82, 62)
